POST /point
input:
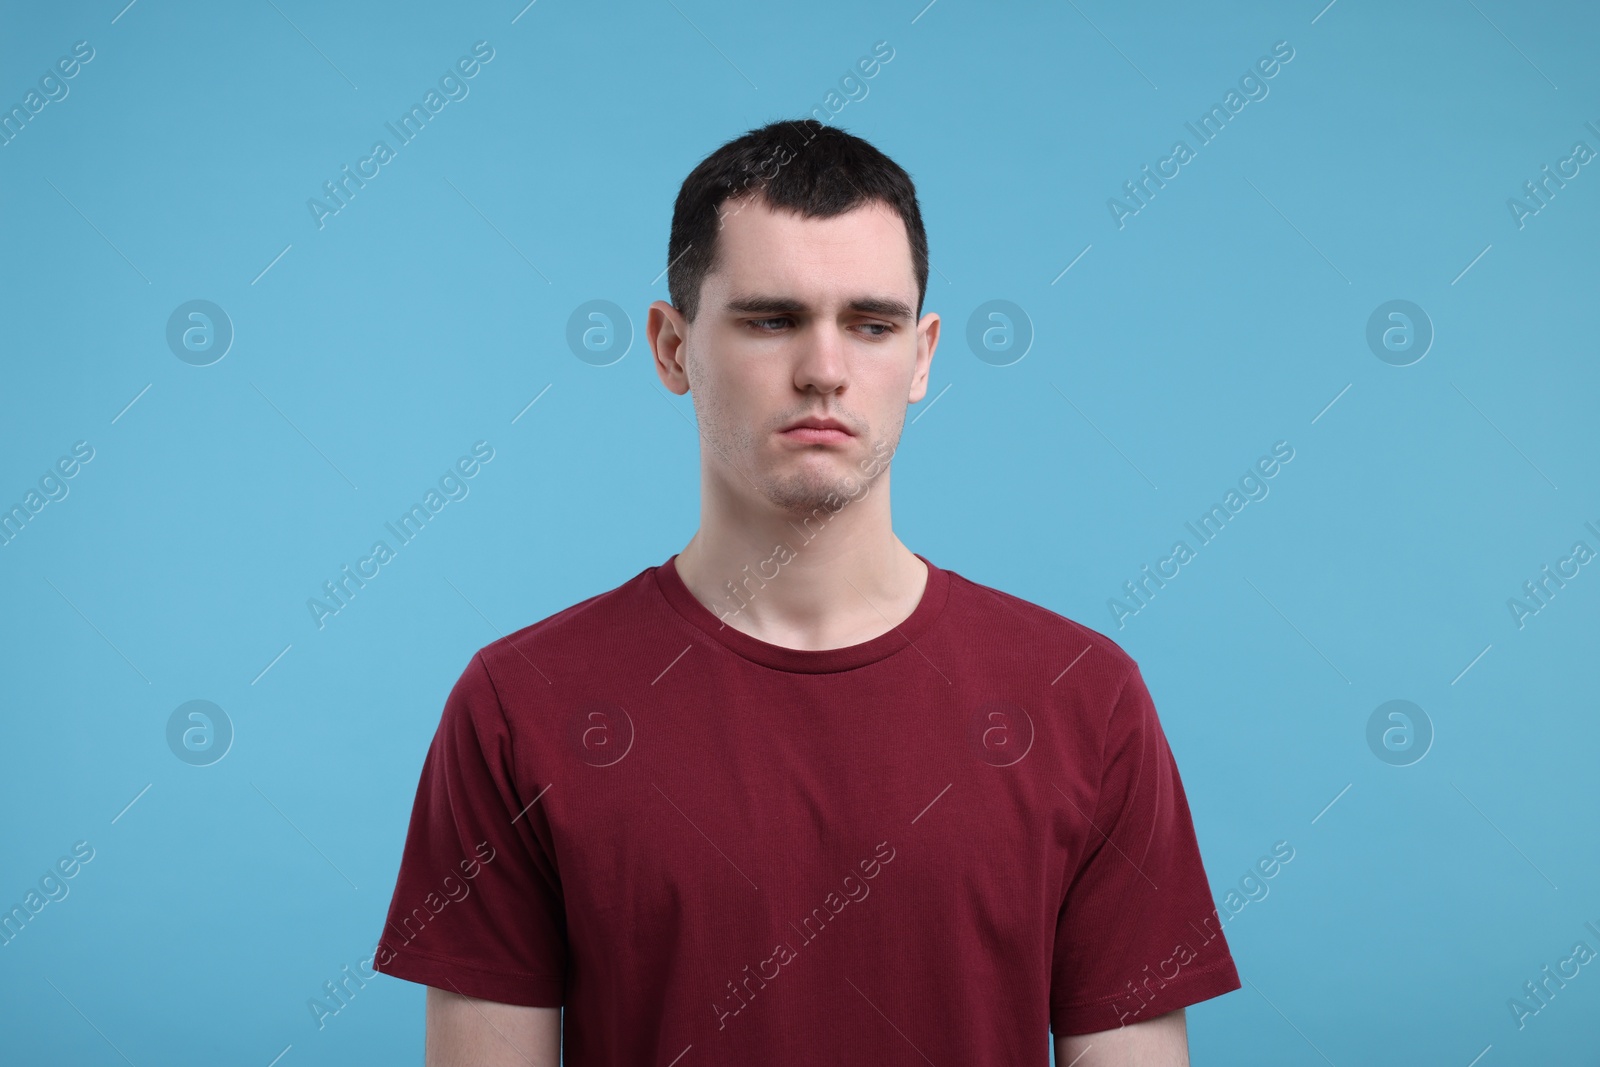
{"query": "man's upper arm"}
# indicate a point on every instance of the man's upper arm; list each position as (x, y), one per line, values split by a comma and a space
(478, 906)
(1138, 935)
(464, 1032)
(1159, 1042)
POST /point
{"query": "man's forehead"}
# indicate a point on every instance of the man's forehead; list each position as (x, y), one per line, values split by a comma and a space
(871, 271)
(870, 221)
(756, 205)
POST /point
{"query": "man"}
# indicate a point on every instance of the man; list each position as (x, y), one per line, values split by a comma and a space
(798, 795)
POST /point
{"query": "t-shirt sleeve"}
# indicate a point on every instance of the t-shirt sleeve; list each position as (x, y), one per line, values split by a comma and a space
(477, 906)
(1138, 934)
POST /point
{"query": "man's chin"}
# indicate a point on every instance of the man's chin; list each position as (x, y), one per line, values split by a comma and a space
(828, 490)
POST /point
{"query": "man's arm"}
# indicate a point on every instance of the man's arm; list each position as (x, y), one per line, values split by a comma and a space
(464, 1032)
(1159, 1042)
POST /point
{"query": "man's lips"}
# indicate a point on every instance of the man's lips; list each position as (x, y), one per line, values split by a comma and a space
(816, 435)
(817, 429)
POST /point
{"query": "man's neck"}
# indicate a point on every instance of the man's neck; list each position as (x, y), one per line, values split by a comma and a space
(819, 581)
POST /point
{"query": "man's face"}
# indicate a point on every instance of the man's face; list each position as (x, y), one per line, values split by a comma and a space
(804, 317)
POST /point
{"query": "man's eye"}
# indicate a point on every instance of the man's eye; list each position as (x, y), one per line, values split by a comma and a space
(757, 322)
(878, 326)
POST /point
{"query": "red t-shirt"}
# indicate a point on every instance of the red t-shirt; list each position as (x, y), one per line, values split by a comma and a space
(708, 849)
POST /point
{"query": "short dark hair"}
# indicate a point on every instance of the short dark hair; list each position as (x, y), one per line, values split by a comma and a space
(801, 165)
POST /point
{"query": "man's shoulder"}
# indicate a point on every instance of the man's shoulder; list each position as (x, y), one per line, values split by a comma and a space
(1033, 627)
(582, 626)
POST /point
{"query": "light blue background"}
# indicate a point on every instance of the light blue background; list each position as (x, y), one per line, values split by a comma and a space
(1227, 315)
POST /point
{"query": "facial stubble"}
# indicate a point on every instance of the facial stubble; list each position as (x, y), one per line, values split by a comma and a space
(798, 482)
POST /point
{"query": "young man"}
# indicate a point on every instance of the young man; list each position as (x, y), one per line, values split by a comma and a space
(797, 795)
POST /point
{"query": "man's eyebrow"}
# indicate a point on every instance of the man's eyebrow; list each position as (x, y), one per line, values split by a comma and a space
(884, 307)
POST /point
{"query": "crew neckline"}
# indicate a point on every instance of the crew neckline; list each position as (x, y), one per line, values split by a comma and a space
(799, 660)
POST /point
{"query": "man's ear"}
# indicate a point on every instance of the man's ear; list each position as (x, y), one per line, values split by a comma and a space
(668, 335)
(927, 341)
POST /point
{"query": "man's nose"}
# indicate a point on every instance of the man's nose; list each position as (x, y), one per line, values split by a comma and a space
(821, 361)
